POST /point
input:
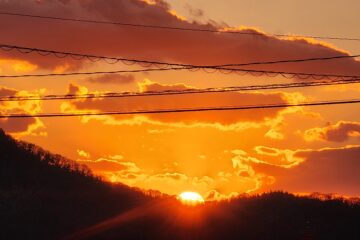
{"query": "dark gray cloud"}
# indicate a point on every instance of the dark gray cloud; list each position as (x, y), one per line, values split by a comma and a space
(113, 79)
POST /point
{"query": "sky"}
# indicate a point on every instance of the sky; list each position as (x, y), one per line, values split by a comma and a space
(218, 154)
(324, 18)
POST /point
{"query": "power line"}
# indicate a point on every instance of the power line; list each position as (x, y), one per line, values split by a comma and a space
(79, 56)
(164, 111)
(147, 63)
(214, 30)
(176, 92)
(166, 66)
(256, 73)
(90, 73)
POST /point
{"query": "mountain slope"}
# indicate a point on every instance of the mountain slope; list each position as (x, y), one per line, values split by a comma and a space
(47, 196)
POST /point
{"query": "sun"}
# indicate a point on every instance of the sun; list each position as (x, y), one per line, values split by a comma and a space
(191, 198)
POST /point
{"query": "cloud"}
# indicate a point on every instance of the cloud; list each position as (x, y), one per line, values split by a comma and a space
(113, 79)
(83, 153)
(172, 182)
(11, 65)
(328, 170)
(105, 166)
(5, 92)
(227, 182)
(16, 126)
(283, 158)
(194, 12)
(279, 157)
(155, 44)
(338, 132)
(224, 118)
(118, 170)
(274, 134)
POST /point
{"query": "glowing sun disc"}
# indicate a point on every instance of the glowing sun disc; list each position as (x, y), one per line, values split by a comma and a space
(191, 198)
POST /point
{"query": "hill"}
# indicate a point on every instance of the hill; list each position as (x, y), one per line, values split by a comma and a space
(46, 196)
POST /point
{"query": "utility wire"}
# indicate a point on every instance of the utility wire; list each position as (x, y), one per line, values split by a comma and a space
(163, 111)
(175, 92)
(146, 63)
(239, 71)
(90, 73)
(214, 30)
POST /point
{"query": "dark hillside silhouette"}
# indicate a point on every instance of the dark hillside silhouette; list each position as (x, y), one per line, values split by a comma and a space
(46, 196)
(276, 215)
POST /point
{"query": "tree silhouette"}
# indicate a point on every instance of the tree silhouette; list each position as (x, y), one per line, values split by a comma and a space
(46, 196)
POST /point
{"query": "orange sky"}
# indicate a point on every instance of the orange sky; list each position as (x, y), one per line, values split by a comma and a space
(312, 149)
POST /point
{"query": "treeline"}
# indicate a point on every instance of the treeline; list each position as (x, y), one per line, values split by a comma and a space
(46, 196)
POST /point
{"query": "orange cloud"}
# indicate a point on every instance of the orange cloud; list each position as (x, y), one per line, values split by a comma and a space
(226, 118)
(338, 132)
(83, 153)
(19, 126)
(118, 170)
(328, 170)
(228, 180)
(171, 182)
(332, 170)
(104, 166)
(16, 65)
(155, 44)
(280, 157)
(113, 79)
